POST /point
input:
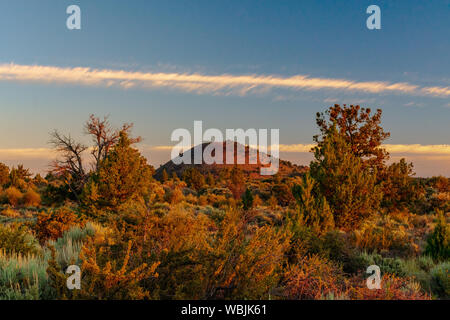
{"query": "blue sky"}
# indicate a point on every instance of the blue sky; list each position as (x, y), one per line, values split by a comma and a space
(282, 39)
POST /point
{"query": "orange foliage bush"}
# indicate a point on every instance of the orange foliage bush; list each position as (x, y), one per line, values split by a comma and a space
(313, 278)
(113, 279)
(31, 198)
(385, 233)
(246, 259)
(392, 288)
(53, 223)
(13, 195)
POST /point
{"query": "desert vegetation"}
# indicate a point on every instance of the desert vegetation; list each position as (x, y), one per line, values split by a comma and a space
(195, 232)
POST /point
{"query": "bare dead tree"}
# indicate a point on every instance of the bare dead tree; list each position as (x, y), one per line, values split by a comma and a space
(70, 164)
(104, 137)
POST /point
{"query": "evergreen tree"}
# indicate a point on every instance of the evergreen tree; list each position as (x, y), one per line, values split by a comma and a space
(247, 199)
(398, 186)
(438, 242)
(194, 179)
(314, 211)
(123, 176)
(361, 130)
(4, 174)
(349, 187)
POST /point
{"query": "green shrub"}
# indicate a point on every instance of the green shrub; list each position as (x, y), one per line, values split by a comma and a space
(438, 242)
(383, 234)
(393, 266)
(17, 239)
(440, 280)
(334, 246)
(419, 269)
(247, 199)
(68, 247)
(425, 263)
(23, 278)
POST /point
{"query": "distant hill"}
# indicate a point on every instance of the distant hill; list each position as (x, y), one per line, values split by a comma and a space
(286, 168)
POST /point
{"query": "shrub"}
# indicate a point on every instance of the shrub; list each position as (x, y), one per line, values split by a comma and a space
(53, 223)
(68, 247)
(13, 195)
(398, 187)
(194, 179)
(10, 213)
(31, 198)
(247, 199)
(335, 246)
(272, 202)
(103, 277)
(392, 288)
(257, 201)
(440, 280)
(313, 211)
(23, 277)
(283, 194)
(313, 278)
(383, 234)
(175, 196)
(438, 242)
(417, 269)
(392, 266)
(17, 239)
(425, 263)
(202, 200)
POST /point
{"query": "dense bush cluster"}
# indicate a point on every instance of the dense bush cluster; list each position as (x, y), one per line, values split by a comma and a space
(226, 234)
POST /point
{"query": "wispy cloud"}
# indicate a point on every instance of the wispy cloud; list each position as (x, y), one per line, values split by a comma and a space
(434, 149)
(296, 147)
(414, 104)
(27, 153)
(204, 84)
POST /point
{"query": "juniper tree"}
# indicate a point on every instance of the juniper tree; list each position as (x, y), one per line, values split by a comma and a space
(123, 176)
(438, 242)
(361, 130)
(349, 187)
(247, 199)
(4, 174)
(313, 210)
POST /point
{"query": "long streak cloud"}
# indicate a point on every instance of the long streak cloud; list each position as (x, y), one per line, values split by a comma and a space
(204, 84)
(433, 149)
